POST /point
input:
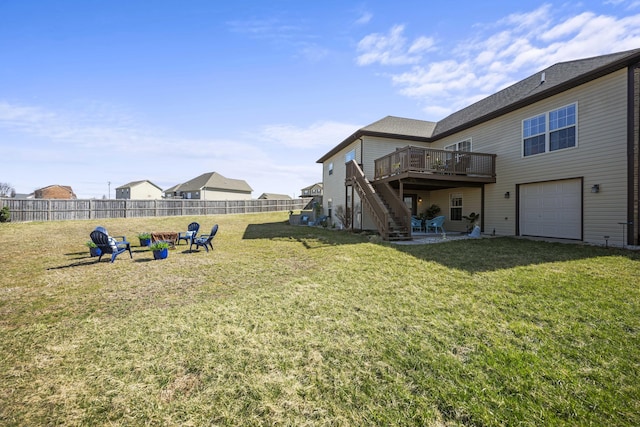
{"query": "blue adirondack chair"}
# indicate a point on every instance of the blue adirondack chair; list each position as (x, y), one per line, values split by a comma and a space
(436, 223)
(416, 224)
(109, 245)
(192, 230)
(204, 240)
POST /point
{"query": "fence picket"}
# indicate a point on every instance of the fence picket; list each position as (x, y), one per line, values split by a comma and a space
(23, 210)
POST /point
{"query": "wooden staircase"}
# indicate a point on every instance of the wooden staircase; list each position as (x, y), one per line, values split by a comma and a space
(390, 215)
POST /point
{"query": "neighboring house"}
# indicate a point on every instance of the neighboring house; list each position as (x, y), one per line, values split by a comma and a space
(554, 155)
(273, 196)
(211, 186)
(54, 192)
(314, 190)
(139, 190)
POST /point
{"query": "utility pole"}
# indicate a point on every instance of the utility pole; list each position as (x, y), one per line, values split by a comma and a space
(109, 193)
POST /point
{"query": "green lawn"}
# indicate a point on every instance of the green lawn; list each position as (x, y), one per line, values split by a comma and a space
(284, 325)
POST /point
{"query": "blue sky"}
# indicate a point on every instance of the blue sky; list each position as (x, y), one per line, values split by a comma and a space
(93, 92)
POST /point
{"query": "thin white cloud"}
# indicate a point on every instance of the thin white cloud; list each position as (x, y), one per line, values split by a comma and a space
(319, 134)
(364, 18)
(52, 139)
(628, 5)
(498, 55)
(392, 48)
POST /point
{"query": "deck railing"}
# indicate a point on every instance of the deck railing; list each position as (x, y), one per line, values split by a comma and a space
(433, 161)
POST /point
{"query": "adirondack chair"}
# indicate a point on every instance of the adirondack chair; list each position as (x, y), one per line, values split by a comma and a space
(117, 238)
(109, 245)
(204, 240)
(192, 230)
(416, 224)
(436, 223)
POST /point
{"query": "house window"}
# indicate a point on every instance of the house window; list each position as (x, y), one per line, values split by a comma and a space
(561, 132)
(455, 207)
(331, 168)
(351, 155)
(460, 146)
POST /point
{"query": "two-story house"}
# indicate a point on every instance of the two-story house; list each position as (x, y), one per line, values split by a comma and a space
(554, 155)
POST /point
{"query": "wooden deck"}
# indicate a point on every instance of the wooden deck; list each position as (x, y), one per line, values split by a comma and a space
(437, 165)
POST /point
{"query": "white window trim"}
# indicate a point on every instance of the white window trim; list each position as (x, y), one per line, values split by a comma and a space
(547, 139)
(456, 195)
(456, 146)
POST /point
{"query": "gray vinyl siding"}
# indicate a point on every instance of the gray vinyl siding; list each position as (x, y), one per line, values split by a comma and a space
(334, 188)
(471, 202)
(598, 158)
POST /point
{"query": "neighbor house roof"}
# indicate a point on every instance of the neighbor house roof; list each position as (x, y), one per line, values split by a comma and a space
(212, 181)
(274, 196)
(317, 184)
(551, 81)
(135, 183)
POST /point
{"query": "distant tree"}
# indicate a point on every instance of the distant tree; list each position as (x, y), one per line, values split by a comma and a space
(6, 190)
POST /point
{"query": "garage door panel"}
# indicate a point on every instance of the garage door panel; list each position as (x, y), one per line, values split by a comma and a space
(551, 209)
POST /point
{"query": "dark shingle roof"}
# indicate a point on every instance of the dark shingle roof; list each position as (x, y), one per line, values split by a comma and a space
(389, 127)
(557, 78)
(401, 126)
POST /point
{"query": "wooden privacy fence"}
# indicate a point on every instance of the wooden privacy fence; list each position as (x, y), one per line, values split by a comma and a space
(62, 210)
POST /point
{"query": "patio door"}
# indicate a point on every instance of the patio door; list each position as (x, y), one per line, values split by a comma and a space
(411, 201)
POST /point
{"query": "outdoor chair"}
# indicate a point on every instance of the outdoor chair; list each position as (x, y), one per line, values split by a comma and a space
(436, 223)
(119, 239)
(192, 230)
(204, 240)
(109, 245)
(416, 224)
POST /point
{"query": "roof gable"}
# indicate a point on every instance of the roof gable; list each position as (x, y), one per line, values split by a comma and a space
(136, 183)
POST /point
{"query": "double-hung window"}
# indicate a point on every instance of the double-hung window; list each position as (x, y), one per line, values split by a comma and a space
(455, 207)
(550, 131)
(460, 146)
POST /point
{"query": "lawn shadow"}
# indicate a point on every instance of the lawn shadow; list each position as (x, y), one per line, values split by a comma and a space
(301, 234)
(89, 261)
(490, 254)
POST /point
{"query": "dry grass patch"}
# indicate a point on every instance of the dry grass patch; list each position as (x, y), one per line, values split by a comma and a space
(284, 325)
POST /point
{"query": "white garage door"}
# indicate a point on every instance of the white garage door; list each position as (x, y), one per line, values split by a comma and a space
(552, 209)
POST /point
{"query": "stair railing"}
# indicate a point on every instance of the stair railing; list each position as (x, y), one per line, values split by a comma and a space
(355, 176)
